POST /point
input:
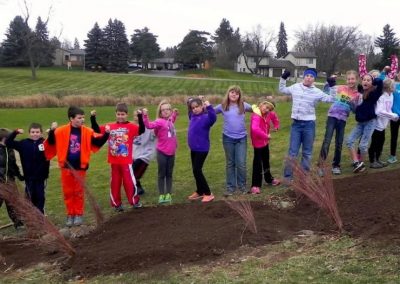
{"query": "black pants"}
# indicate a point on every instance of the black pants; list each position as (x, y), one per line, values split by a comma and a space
(261, 166)
(198, 159)
(139, 168)
(376, 147)
(165, 169)
(394, 134)
(34, 190)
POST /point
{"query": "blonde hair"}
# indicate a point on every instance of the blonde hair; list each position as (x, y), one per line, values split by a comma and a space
(163, 102)
(352, 72)
(268, 104)
(388, 85)
(226, 102)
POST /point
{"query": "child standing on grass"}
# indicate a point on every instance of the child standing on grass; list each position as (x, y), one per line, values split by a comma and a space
(260, 124)
(234, 139)
(144, 148)
(35, 166)
(8, 172)
(371, 90)
(394, 125)
(346, 100)
(164, 129)
(383, 111)
(201, 118)
(302, 133)
(72, 144)
(120, 142)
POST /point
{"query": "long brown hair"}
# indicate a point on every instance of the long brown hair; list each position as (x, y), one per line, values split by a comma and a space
(367, 92)
(226, 102)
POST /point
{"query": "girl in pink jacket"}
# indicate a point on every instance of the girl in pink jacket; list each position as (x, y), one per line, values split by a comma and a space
(260, 122)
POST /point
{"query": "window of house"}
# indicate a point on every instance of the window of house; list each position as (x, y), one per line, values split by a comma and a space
(66, 57)
(244, 69)
(310, 60)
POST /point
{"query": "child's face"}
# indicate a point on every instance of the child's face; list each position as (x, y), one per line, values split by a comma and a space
(196, 108)
(366, 82)
(351, 81)
(121, 116)
(264, 109)
(165, 110)
(233, 96)
(78, 120)
(35, 133)
(308, 80)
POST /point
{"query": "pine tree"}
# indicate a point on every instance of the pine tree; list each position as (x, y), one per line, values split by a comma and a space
(144, 46)
(388, 43)
(281, 45)
(76, 44)
(195, 48)
(94, 48)
(42, 49)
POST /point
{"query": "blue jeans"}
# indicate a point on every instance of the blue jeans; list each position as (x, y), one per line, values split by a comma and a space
(333, 125)
(235, 154)
(302, 134)
(363, 130)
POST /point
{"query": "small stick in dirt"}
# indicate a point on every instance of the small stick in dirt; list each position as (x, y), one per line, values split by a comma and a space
(244, 209)
(6, 226)
(36, 223)
(318, 187)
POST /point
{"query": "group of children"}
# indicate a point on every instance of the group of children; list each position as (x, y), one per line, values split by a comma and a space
(132, 145)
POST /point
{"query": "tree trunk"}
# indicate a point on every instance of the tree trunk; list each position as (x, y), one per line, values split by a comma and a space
(32, 64)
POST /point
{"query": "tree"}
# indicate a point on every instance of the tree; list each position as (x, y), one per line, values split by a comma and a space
(67, 44)
(42, 51)
(327, 42)
(227, 45)
(94, 48)
(195, 48)
(255, 45)
(76, 44)
(281, 45)
(116, 47)
(144, 46)
(169, 52)
(388, 43)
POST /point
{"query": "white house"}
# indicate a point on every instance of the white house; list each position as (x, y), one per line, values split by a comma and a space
(302, 61)
(64, 57)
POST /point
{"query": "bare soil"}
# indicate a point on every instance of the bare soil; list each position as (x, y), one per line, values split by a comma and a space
(158, 238)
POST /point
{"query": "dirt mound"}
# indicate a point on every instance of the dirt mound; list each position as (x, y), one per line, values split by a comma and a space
(165, 236)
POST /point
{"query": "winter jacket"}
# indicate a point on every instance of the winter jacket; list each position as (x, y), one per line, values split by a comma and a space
(8, 165)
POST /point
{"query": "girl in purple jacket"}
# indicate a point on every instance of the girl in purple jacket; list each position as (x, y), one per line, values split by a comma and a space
(201, 117)
(260, 121)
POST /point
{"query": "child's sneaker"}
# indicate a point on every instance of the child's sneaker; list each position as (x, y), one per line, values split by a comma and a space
(336, 171)
(137, 205)
(383, 164)
(78, 220)
(255, 190)
(161, 198)
(228, 193)
(275, 182)
(358, 167)
(375, 165)
(168, 198)
(207, 198)
(119, 208)
(194, 196)
(70, 221)
(392, 159)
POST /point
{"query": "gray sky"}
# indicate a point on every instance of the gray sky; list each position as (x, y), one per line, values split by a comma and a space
(171, 20)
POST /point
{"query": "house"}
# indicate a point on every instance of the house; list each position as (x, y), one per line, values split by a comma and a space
(295, 62)
(165, 63)
(69, 57)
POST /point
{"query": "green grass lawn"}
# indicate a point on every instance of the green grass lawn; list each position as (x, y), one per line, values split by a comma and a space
(328, 261)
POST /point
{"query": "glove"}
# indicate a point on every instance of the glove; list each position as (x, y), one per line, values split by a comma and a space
(285, 74)
(331, 81)
(360, 88)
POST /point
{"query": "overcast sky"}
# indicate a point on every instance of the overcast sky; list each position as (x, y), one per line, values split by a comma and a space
(171, 20)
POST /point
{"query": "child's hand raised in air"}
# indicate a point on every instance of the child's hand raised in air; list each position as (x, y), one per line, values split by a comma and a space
(20, 131)
(176, 110)
(206, 103)
(93, 112)
(107, 128)
(53, 125)
(145, 111)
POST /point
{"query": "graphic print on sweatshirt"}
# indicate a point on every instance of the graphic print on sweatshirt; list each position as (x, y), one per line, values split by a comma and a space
(118, 142)
(171, 129)
(74, 145)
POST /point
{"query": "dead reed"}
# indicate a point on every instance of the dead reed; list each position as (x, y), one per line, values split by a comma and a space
(39, 227)
(317, 185)
(243, 207)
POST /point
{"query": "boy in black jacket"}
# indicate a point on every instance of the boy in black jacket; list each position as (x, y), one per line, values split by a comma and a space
(8, 171)
(34, 163)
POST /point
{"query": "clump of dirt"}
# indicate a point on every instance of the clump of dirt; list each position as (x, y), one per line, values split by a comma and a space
(161, 237)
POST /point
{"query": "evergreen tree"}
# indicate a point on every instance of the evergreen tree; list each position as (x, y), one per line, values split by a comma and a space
(76, 44)
(388, 43)
(94, 48)
(42, 51)
(144, 46)
(281, 45)
(195, 48)
(116, 47)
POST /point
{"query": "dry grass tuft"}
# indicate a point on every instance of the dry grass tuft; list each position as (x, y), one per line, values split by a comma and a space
(243, 207)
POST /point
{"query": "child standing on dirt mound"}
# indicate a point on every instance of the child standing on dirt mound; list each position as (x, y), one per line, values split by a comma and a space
(394, 125)
(260, 125)
(346, 100)
(164, 129)
(72, 144)
(34, 163)
(383, 111)
(201, 118)
(8, 172)
(120, 142)
(302, 132)
(371, 90)
(234, 139)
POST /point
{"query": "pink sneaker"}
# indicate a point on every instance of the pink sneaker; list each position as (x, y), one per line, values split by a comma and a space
(207, 198)
(275, 182)
(194, 196)
(255, 190)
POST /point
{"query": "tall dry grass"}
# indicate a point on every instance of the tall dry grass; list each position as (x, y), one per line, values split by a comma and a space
(243, 207)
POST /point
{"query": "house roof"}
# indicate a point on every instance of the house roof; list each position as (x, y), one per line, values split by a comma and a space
(77, 51)
(163, 60)
(301, 54)
(280, 63)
